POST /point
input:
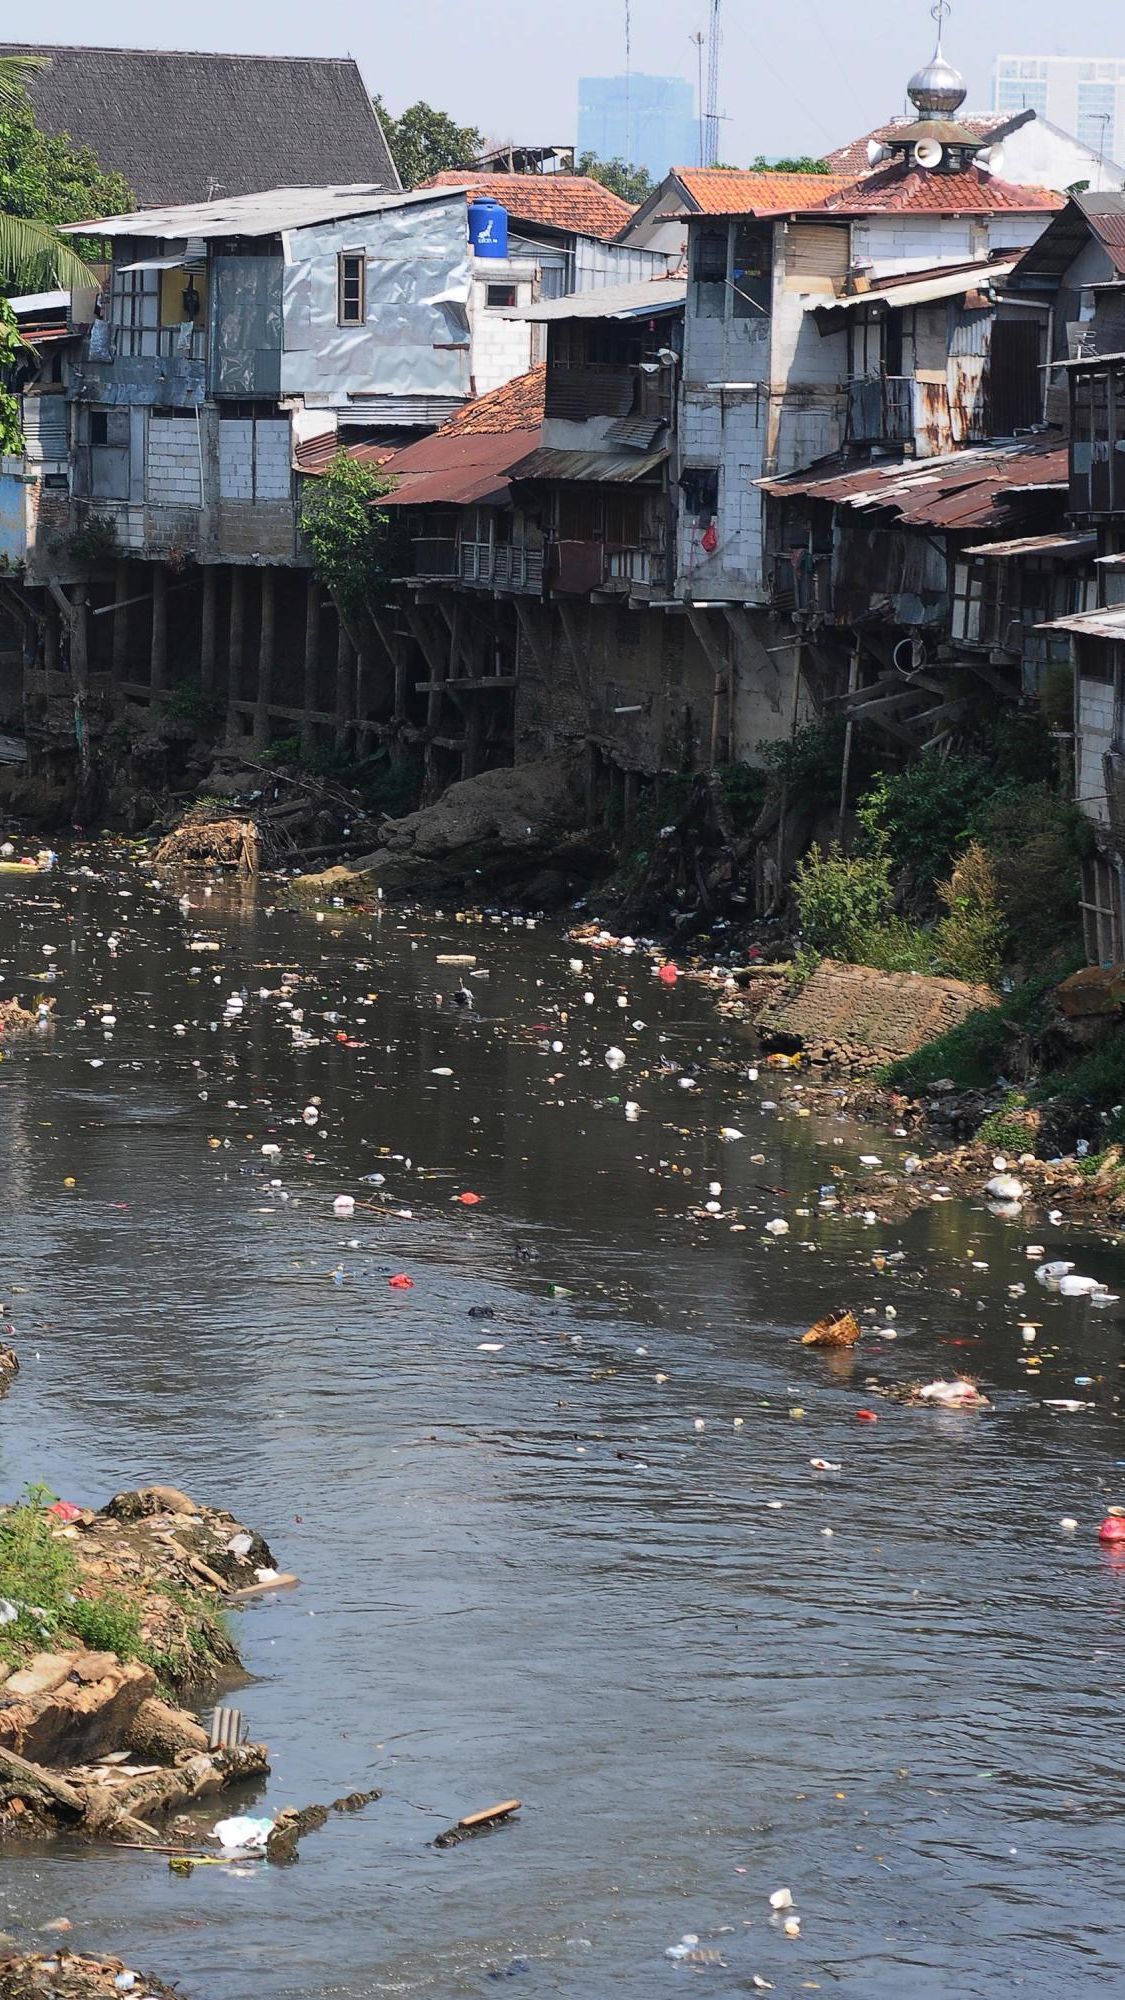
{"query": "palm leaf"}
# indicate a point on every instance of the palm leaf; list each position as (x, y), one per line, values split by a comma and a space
(33, 258)
(13, 70)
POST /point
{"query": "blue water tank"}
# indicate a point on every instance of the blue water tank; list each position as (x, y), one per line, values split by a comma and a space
(488, 227)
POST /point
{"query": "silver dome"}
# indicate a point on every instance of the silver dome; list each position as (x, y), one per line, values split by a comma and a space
(938, 90)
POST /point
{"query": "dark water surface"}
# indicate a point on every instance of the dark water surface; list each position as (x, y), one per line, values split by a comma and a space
(528, 1571)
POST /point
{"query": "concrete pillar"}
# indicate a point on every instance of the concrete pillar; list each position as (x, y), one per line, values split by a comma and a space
(51, 636)
(472, 753)
(236, 640)
(120, 623)
(264, 693)
(207, 629)
(80, 675)
(158, 657)
(312, 663)
(344, 656)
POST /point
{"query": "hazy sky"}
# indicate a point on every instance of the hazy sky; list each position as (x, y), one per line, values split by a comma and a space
(797, 75)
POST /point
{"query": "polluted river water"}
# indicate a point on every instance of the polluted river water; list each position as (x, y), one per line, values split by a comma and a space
(573, 1549)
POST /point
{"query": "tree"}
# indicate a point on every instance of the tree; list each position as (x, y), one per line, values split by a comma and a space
(44, 181)
(352, 540)
(424, 142)
(633, 184)
(803, 163)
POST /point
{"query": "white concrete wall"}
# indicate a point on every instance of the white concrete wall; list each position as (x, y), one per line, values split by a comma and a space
(1041, 155)
(502, 348)
(172, 463)
(254, 459)
(1095, 739)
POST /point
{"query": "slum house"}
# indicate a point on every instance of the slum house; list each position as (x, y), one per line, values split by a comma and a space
(1096, 634)
(451, 636)
(778, 367)
(235, 334)
(886, 572)
(186, 125)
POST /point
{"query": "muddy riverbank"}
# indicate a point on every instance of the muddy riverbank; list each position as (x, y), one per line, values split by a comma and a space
(554, 1504)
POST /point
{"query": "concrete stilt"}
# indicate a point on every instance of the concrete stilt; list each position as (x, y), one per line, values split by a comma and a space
(158, 657)
(345, 654)
(207, 629)
(236, 640)
(312, 663)
(120, 662)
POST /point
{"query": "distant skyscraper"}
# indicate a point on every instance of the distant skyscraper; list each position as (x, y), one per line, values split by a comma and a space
(1084, 95)
(647, 120)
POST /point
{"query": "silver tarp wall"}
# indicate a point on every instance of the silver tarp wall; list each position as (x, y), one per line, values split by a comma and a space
(415, 336)
(246, 326)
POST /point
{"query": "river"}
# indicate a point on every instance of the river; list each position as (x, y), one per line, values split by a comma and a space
(541, 1554)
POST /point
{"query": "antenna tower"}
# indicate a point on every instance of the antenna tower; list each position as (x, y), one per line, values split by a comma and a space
(711, 120)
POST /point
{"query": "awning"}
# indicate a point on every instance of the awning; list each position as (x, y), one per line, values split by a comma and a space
(604, 467)
(919, 291)
(175, 263)
(1105, 624)
(636, 301)
(1068, 548)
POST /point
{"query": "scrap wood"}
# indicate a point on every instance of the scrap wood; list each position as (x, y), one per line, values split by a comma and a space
(476, 1823)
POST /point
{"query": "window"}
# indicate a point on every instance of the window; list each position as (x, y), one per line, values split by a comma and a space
(709, 271)
(99, 427)
(753, 257)
(351, 288)
(499, 295)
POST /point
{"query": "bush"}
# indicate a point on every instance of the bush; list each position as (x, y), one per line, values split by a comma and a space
(1037, 842)
(1005, 1129)
(969, 940)
(841, 899)
(922, 816)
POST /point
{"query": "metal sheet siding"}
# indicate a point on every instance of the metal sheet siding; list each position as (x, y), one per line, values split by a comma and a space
(246, 327)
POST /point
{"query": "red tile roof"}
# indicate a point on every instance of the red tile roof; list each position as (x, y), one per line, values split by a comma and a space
(571, 202)
(899, 189)
(730, 191)
(852, 158)
(518, 405)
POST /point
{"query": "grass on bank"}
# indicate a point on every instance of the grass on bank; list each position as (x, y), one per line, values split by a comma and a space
(42, 1583)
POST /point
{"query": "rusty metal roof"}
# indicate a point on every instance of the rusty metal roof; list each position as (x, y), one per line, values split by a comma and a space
(915, 288)
(456, 469)
(1106, 624)
(963, 490)
(614, 468)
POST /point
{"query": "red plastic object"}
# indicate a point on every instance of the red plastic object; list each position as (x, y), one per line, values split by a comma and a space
(866, 1417)
(1112, 1529)
(65, 1510)
(668, 975)
(470, 1200)
(401, 1283)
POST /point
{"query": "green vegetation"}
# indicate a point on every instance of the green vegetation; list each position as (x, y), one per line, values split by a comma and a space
(423, 141)
(633, 184)
(988, 1044)
(189, 707)
(1005, 1129)
(42, 1583)
(800, 163)
(350, 538)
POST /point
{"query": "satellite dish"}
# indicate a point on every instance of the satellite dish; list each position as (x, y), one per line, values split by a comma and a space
(877, 153)
(991, 160)
(928, 154)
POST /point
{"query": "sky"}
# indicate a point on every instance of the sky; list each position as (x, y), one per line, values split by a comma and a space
(797, 77)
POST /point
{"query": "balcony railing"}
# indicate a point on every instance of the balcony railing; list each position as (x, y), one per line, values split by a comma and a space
(502, 565)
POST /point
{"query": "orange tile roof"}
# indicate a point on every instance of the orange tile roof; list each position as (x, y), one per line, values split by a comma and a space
(572, 202)
(909, 190)
(516, 406)
(730, 191)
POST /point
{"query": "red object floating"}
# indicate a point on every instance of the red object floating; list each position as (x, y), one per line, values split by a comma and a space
(866, 1417)
(401, 1283)
(1112, 1529)
(470, 1200)
(668, 975)
(65, 1510)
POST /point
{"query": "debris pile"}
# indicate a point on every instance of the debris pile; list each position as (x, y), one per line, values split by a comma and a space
(207, 839)
(66, 1975)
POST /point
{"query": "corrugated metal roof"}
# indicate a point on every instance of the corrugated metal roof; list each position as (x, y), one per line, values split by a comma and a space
(265, 214)
(27, 302)
(601, 467)
(918, 287)
(959, 491)
(1106, 624)
(315, 454)
(647, 295)
(456, 470)
(1071, 548)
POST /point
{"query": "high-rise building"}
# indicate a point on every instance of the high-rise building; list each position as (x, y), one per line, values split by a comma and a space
(647, 120)
(1084, 95)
